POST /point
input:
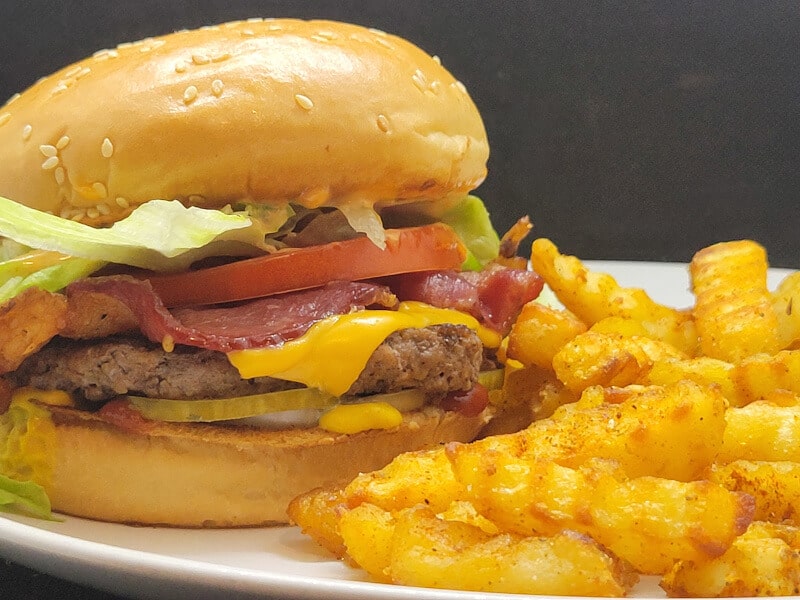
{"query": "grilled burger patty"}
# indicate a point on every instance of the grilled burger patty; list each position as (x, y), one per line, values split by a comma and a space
(436, 359)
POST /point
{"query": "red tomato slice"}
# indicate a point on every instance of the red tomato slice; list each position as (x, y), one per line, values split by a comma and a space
(425, 248)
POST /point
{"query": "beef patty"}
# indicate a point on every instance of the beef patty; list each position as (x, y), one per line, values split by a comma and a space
(436, 359)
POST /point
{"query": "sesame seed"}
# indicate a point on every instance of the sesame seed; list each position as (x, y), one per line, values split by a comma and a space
(384, 43)
(106, 54)
(106, 148)
(72, 72)
(62, 142)
(61, 175)
(247, 33)
(275, 28)
(196, 199)
(383, 123)
(303, 102)
(327, 34)
(180, 67)
(59, 88)
(255, 20)
(221, 57)
(436, 59)
(5, 118)
(200, 59)
(103, 208)
(83, 73)
(377, 31)
(124, 45)
(157, 44)
(461, 87)
(122, 202)
(78, 215)
(419, 80)
(26, 132)
(92, 213)
(14, 97)
(319, 38)
(50, 163)
(436, 86)
(216, 87)
(190, 94)
(48, 150)
(100, 189)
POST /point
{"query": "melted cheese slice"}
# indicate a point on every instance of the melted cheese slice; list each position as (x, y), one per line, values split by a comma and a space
(333, 352)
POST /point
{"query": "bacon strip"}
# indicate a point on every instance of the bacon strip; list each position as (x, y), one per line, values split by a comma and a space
(494, 296)
(257, 323)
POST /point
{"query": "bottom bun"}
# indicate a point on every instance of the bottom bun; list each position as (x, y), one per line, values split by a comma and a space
(196, 475)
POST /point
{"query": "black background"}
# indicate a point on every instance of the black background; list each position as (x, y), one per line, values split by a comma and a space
(625, 130)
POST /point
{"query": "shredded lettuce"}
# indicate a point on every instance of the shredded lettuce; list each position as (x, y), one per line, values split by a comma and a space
(364, 219)
(24, 497)
(160, 235)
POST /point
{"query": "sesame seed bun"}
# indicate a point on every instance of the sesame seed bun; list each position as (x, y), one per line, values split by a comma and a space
(190, 475)
(269, 110)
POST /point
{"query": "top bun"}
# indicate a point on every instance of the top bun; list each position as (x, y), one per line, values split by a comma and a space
(313, 112)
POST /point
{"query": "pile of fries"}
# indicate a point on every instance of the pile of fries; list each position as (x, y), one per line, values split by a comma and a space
(665, 443)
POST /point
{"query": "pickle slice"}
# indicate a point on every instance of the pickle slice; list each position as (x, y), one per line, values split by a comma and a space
(209, 410)
(491, 380)
(224, 409)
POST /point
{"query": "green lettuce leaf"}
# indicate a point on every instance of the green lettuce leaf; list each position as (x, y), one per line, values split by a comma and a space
(160, 235)
(470, 220)
(24, 497)
(17, 275)
(467, 216)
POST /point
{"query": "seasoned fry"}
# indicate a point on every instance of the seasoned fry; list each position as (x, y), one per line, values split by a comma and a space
(367, 533)
(608, 360)
(756, 377)
(761, 431)
(27, 322)
(733, 307)
(677, 454)
(540, 332)
(775, 486)
(638, 427)
(317, 513)
(702, 370)
(647, 521)
(786, 305)
(595, 296)
(765, 561)
(422, 477)
(431, 552)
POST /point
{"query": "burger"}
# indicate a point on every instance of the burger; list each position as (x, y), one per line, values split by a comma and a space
(241, 262)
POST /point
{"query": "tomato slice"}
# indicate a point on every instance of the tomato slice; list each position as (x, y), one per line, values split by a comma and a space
(424, 248)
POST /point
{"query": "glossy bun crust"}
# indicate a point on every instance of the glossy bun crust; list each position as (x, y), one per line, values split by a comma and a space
(315, 112)
(191, 475)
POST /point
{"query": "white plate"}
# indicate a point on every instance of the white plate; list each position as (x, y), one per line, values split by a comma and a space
(145, 562)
